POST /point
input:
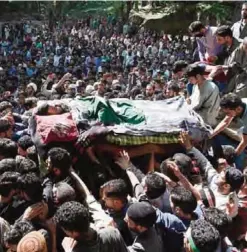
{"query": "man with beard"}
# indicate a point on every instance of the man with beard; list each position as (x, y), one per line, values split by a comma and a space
(149, 92)
(233, 107)
(239, 29)
(58, 165)
(31, 89)
(206, 41)
(115, 197)
(141, 218)
(74, 219)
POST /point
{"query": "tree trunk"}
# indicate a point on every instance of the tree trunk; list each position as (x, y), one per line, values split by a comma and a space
(236, 13)
(129, 7)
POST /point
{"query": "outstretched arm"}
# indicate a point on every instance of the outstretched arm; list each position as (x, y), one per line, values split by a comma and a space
(124, 162)
(222, 125)
(101, 219)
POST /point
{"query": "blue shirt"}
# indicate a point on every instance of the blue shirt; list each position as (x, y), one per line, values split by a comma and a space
(208, 44)
(30, 72)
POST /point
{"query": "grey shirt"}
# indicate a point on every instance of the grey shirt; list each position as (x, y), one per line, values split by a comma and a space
(205, 100)
(239, 30)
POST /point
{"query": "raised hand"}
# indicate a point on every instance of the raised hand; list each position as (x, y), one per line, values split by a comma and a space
(123, 160)
(184, 139)
(68, 244)
(33, 211)
(173, 166)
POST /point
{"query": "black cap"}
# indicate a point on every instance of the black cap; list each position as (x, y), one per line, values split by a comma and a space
(142, 213)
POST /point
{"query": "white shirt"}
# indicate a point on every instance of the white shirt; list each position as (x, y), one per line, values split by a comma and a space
(56, 60)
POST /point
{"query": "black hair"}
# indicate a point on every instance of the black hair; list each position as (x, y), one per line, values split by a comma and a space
(8, 148)
(174, 87)
(205, 236)
(4, 125)
(26, 165)
(229, 154)
(8, 182)
(134, 92)
(5, 105)
(116, 188)
(224, 31)
(25, 142)
(183, 199)
(156, 185)
(230, 101)
(205, 193)
(194, 69)
(179, 66)
(60, 159)
(42, 109)
(33, 155)
(234, 178)
(219, 219)
(65, 192)
(29, 102)
(73, 216)
(196, 26)
(183, 162)
(17, 231)
(7, 165)
(30, 183)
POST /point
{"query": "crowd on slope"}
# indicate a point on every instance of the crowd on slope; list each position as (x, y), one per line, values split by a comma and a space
(196, 200)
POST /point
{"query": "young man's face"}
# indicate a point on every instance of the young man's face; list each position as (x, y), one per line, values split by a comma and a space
(222, 40)
(193, 80)
(170, 93)
(230, 112)
(72, 234)
(7, 134)
(149, 91)
(21, 152)
(29, 90)
(198, 34)
(222, 165)
(131, 225)
(223, 187)
(11, 247)
(21, 99)
(112, 204)
(244, 11)
(7, 198)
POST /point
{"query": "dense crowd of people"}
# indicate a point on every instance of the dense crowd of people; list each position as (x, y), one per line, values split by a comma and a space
(55, 200)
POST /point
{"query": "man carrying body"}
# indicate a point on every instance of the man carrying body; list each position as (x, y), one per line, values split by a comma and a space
(239, 28)
(206, 41)
(205, 98)
(233, 106)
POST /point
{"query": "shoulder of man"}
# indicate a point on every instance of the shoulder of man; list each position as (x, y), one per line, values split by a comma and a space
(213, 29)
(237, 23)
(111, 240)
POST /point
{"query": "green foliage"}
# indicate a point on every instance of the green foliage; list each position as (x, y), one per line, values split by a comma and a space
(220, 10)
